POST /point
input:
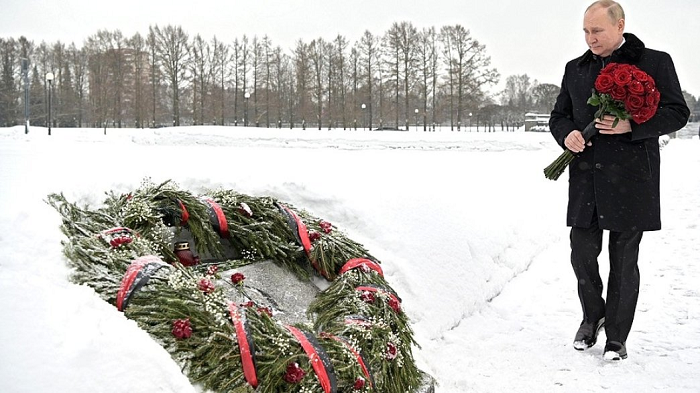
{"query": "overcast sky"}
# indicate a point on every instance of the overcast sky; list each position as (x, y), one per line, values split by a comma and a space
(534, 37)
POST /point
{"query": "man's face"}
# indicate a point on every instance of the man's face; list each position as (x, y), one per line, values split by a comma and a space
(603, 35)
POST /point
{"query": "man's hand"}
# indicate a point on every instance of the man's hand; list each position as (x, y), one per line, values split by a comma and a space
(604, 125)
(575, 142)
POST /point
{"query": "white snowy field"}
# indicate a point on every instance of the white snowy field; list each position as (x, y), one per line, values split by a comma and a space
(469, 232)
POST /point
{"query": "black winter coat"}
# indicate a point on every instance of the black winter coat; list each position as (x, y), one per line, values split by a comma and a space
(618, 176)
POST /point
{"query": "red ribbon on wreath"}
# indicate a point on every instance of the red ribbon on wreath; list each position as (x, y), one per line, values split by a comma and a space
(302, 235)
(137, 275)
(358, 357)
(185, 215)
(318, 358)
(217, 217)
(245, 344)
(361, 263)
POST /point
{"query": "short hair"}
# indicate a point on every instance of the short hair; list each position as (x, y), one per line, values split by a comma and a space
(615, 11)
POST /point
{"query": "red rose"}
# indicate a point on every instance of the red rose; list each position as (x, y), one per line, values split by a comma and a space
(367, 297)
(313, 236)
(265, 310)
(640, 75)
(618, 93)
(237, 278)
(359, 384)
(205, 285)
(391, 351)
(395, 304)
(622, 76)
(649, 85)
(636, 87)
(604, 83)
(182, 328)
(643, 114)
(326, 226)
(652, 99)
(294, 373)
(633, 103)
(609, 69)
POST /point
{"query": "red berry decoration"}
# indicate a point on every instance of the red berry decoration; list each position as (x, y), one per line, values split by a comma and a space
(294, 373)
(265, 310)
(326, 226)
(313, 236)
(205, 285)
(237, 278)
(395, 304)
(182, 328)
(367, 297)
(391, 351)
(359, 384)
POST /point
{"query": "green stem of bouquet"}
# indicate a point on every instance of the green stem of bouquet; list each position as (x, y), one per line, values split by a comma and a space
(553, 171)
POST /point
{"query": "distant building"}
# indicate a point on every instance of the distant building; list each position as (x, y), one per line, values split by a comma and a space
(537, 122)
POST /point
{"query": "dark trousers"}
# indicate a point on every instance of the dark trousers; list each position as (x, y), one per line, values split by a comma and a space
(623, 281)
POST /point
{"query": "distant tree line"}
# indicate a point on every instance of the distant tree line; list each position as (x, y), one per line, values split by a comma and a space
(167, 78)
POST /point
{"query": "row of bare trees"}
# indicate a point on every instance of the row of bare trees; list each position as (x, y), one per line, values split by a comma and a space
(166, 77)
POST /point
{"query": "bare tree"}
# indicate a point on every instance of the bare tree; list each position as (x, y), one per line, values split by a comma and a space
(154, 72)
(139, 65)
(468, 68)
(173, 51)
(268, 86)
(427, 70)
(544, 96)
(330, 78)
(354, 64)
(517, 92)
(369, 57)
(340, 46)
(283, 81)
(408, 37)
(302, 72)
(317, 52)
(392, 60)
(241, 66)
(99, 79)
(257, 63)
(220, 74)
(202, 74)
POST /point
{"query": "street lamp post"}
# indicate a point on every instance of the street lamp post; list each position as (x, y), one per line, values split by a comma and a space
(49, 79)
(245, 119)
(364, 118)
(416, 112)
(470, 121)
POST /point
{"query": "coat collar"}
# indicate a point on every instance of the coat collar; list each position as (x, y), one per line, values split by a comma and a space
(631, 51)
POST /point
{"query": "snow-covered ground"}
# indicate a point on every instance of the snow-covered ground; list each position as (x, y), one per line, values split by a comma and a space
(469, 232)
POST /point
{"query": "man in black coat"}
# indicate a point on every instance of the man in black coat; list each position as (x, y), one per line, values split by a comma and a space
(614, 179)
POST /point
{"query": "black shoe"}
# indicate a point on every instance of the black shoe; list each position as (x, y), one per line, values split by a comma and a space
(587, 334)
(615, 350)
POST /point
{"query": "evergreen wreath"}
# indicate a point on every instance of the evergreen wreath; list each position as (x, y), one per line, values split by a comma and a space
(359, 339)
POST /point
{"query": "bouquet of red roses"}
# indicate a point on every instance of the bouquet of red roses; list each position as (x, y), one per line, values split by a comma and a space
(621, 90)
